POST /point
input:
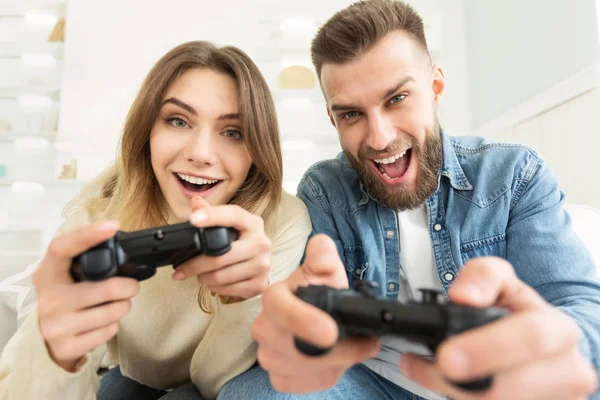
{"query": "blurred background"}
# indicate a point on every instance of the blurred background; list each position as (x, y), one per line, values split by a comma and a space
(523, 71)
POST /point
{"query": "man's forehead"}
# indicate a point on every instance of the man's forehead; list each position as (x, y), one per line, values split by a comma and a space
(392, 59)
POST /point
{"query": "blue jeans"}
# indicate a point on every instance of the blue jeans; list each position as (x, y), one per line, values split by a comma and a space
(115, 386)
(359, 383)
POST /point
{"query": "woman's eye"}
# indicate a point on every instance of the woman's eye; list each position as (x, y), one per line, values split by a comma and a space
(232, 134)
(177, 122)
(350, 115)
(397, 99)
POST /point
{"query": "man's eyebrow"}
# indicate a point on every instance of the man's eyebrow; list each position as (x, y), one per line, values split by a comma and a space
(399, 86)
(388, 93)
(179, 103)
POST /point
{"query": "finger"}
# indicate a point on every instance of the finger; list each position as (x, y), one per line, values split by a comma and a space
(64, 247)
(564, 376)
(66, 298)
(113, 289)
(297, 317)
(426, 374)
(228, 215)
(73, 324)
(198, 203)
(241, 250)
(236, 273)
(277, 352)
(507, 343)
(78, 346)
(490, 281)
(322, 266)
(245, 289)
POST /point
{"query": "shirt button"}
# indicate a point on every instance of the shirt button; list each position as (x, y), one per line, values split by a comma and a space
(358, 270)
(391, 286)
(389, 233)
(437, 227)
(367, 264)
(448, 276)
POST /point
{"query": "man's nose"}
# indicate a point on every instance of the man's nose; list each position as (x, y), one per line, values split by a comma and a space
(381, 132)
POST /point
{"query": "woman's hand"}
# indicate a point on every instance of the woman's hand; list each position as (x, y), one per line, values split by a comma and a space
(75, 318)
(242, 272)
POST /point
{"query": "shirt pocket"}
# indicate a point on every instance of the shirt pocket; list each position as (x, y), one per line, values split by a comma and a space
(355, 261)
(489, 246)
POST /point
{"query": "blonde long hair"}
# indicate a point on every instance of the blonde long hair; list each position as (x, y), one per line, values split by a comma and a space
(129, 191)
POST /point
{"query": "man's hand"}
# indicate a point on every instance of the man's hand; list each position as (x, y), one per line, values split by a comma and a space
(532, 353)
(284, 316)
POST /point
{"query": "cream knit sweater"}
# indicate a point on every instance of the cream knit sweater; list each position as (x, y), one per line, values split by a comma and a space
(166, 340)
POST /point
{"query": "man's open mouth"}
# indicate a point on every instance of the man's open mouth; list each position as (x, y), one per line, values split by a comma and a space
(195, 183)
(394, 167)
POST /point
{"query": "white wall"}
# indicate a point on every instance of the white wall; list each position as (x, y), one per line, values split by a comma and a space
(519, 48)
(111, 45)
(567, 137)
(534, 78)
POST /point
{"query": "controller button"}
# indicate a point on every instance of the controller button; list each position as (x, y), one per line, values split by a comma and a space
(437, 227)
(448, 276)
(390, 233)
(387, 316)
(159, 235)
(430, 296)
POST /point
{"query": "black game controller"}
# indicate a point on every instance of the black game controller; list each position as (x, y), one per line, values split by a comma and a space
(359, 313)
(138, 254)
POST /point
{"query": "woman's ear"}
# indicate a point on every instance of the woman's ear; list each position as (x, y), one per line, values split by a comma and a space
(438, 84)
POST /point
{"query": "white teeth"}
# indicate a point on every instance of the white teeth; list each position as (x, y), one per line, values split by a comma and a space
(195, 180)
(390, 159)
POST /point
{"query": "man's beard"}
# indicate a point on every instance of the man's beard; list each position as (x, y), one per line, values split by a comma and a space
(400, 197)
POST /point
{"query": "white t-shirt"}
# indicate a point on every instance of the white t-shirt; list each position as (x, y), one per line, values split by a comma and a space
(417, 271)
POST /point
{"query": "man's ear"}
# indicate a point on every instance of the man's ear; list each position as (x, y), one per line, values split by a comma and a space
(438, 84)
(330, 117)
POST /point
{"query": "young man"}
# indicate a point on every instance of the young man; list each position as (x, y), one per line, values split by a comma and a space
(409, 207)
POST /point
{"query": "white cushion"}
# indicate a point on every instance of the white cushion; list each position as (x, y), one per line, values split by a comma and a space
(586, 221)
(17, 298)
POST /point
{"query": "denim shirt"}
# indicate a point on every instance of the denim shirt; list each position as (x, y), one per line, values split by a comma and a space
(492, 199)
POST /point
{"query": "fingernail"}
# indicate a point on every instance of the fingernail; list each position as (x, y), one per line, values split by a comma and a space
(198, 217)
(108, 225)
(178, 275)
(405, 366)
(459, 361)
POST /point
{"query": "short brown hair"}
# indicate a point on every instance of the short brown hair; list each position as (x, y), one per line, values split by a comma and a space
(360, 26)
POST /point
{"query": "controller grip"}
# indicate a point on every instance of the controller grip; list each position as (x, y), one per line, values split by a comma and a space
(309, 349)
(217, 240)
(477, 385)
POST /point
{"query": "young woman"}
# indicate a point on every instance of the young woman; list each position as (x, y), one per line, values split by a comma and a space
(200, 143)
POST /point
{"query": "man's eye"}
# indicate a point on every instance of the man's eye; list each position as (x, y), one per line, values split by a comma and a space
(397, 98)
(177, 122)
(350, 115)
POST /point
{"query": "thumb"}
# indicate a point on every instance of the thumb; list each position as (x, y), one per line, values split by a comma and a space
(322, 264)
(199, 203)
